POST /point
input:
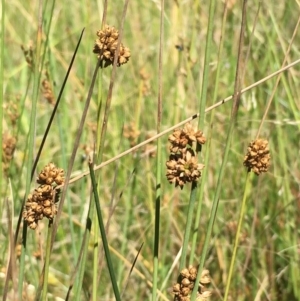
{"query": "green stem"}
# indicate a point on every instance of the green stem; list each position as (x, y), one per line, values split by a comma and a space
(208, 51)
(103, 235)
(234, 112)
(188, 226)
(47, 260)
(87, 234)
(207, 145)
(237, 236)
(159, 158)
(95, 253)
(202, 104)
(1, 88)
(31, 136)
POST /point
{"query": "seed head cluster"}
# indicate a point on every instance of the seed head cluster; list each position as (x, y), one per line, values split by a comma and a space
(106, 46)
(28, 54)
(131, 133)
(183, 166)
(8, 148)
(258, 156)
(42, 201)
(47, 89)
(181, 139)
(186, 282)
(11, 109)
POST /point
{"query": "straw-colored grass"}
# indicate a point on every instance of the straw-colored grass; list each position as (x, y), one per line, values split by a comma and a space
(242, 227)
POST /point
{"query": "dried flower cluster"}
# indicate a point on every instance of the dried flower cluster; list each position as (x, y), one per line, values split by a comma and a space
(42, 201)
(186, 282)
(11, 109)
(106, 46)
(181, 139)
(8, 148)
(183, 165)
(131, 133)
(258, 156)
(145, 88)
(47, 89)
(28, 53)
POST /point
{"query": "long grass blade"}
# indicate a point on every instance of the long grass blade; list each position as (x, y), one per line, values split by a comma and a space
(208, 143)
(31, 137)
(159, 157)
(201, 118)
(1, 80)
(103, 235)
(47, 262)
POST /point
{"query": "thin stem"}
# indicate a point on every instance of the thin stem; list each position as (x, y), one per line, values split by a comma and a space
(1, 86)
(103, 235)
(81, 262)
(111, 85)
(208, 51)
(159, 157)
(31, 136)
(47, 260)
(237, 236)
(188, 226)
(235, 106)
(201, 118)
(208, 143)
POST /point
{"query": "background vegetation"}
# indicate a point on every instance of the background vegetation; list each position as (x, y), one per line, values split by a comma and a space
(267, 262)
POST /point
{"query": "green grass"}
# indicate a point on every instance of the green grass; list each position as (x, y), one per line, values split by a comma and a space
(266, 266)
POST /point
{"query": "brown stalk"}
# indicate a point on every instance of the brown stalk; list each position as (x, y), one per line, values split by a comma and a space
(111, 85)
(238, 77)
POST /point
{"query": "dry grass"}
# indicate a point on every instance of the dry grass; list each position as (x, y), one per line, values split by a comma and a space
(34, 67)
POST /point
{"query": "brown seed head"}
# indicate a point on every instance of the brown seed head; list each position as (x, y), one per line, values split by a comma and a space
(106, 46)
(258, 156)
(8, 148)
(48, 91)
(42, 201)
(185, 284)
(183, 168)
(28, 54)
(176, 288)
(205, 278)
(51, 174)
(131, 133)
(185, 291)
(192, 135)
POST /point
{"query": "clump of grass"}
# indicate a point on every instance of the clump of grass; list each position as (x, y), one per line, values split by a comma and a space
(196, 64)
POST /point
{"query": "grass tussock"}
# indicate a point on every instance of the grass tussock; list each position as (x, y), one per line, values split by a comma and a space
(176, 132)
